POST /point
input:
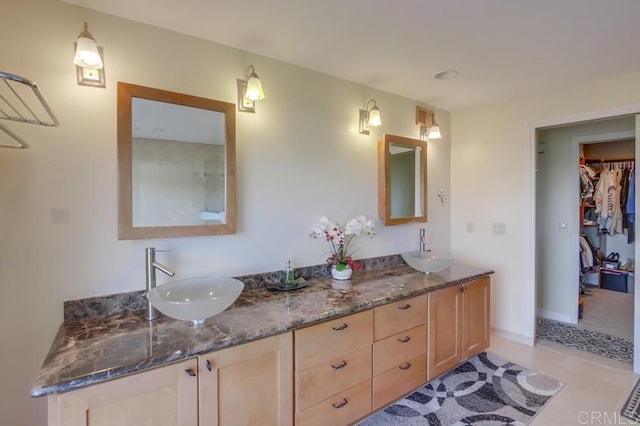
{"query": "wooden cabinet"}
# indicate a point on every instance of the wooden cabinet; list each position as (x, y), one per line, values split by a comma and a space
(476, 327)
(458, 325)
(333, 370)
(165, 396)
(342, 370)
(248, 384)
(399, 350)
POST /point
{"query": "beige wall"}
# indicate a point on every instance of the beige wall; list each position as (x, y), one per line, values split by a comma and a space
(298, 158)
(492, 179)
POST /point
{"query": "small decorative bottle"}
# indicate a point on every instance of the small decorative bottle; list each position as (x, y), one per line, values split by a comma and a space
(287, 279)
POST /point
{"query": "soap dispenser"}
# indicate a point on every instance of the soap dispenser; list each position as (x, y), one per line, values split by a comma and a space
(287, 274)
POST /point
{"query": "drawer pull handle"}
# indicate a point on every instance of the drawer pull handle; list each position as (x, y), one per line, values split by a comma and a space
(190, 372)
(208, 363)
(340, 328)
(340, 404)
(405, 366)
(404, 339)
(343, 364)
(404, 307)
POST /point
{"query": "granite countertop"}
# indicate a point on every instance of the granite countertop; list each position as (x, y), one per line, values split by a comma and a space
(90, 351)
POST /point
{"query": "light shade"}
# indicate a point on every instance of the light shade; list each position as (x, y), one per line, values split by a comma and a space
(254, 90)
(87, 54)
(374, 117)
(434, 131)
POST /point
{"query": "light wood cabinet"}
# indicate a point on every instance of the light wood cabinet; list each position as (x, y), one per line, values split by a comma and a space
(399, 351)
(476, 327)
(249, 384)
(333, 370)
(399, 316)
(400, 380)
(246, 384)
(458, 325)
(165, 396)
(328, 339)
(342, 409)
(336, 372)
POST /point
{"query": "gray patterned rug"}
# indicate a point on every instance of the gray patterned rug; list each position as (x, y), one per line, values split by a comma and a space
(585, 340)
(631, 409)
(486, 390)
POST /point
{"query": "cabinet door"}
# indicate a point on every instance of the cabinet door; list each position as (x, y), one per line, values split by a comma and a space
(249, 384)
(476, 327)
(165, 396)
(444, 330)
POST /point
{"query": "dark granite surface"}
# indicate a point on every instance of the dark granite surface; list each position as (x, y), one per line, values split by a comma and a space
(90, 351)
(114, 304)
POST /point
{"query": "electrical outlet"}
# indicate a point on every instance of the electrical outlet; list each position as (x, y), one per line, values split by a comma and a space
(499, 228)
(469, 227)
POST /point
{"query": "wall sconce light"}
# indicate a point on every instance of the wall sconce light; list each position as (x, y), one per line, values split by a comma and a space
(249, 91)
(369, 117)
(429, 128)
(88, 60)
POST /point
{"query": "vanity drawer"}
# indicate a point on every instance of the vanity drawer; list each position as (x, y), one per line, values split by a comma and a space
(398, 316)
(341, 409)
(323, 380)
(395, 383)
(396, 349)
(330, 339)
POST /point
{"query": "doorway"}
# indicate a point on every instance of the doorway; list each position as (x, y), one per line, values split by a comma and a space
(558, 220)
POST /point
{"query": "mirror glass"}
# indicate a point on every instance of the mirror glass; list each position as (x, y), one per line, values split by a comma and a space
(176, 164)
(402, 178)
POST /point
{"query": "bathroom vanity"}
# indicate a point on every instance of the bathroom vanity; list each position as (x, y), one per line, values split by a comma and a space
(314, 356)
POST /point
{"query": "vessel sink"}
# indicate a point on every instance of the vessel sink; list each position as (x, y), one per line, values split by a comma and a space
(428, 261)
(195, 299)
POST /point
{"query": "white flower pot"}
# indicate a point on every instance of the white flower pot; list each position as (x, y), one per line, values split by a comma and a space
(345, 274)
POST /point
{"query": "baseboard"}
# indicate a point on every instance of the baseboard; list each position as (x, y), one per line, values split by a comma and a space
(555, 316)
(515, 337)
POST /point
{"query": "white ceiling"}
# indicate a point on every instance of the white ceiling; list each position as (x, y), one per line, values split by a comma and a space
(501, 48)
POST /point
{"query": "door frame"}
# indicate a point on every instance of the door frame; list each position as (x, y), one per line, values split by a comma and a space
(626, 110)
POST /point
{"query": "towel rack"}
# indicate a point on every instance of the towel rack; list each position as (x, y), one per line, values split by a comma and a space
(21, 100)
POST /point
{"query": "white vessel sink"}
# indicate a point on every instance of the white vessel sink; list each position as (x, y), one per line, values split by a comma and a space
(195, 299)
(428, 261)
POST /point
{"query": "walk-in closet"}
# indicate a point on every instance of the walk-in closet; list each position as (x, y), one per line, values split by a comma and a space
(585, 239)
(607, 218)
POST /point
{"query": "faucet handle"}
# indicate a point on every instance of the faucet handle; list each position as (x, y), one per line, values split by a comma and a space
(162, 251)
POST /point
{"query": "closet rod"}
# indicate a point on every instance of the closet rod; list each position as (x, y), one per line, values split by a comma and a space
(608, 160)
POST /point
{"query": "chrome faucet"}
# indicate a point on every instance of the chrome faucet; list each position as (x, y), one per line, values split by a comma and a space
(423, 240)
(151, 266)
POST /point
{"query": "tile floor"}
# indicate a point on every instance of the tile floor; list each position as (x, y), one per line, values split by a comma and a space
(595, 389)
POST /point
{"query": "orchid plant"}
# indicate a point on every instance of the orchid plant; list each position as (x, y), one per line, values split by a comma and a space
(339, 239)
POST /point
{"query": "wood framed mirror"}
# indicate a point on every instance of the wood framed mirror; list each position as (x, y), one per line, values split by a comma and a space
(176, 164)
(402, 180)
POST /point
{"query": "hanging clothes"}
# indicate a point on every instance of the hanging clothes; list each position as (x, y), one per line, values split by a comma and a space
(631, 206)
(607, 200)
(587, 254)
(587, 175)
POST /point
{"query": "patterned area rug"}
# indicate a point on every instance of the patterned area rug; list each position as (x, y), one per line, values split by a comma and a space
(585, 340)
(486, 390)
(631, 409)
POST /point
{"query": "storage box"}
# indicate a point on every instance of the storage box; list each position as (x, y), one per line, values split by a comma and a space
(616, 281)
(610, 264)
